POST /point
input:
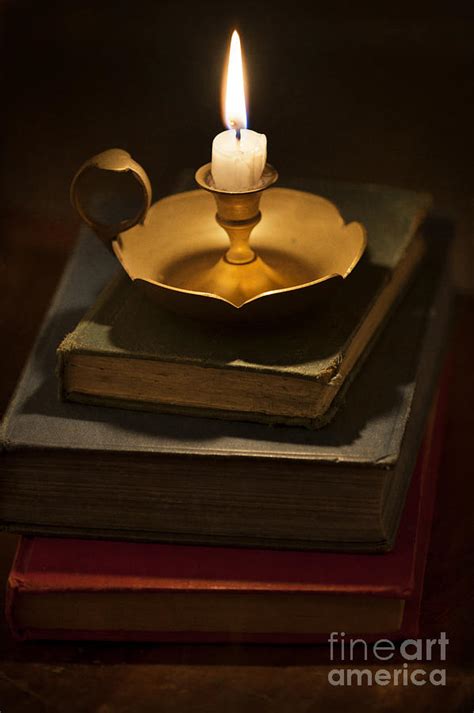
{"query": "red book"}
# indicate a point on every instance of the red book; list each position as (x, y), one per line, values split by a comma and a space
(122, 591)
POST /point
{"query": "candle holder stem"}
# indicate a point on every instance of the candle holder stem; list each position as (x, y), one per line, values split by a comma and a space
(234, 217)
(240, 252)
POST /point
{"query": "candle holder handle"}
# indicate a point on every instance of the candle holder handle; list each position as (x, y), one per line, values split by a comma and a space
(113, 161)
(237, 212)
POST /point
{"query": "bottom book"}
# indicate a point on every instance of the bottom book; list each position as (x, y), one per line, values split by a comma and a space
(104, 590)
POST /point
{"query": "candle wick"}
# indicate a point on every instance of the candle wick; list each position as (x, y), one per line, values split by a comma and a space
(237, 134)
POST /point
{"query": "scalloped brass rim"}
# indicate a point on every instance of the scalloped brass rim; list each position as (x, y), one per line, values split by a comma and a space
(268, 294)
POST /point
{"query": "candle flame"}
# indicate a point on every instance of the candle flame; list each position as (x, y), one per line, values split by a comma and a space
(235, 112)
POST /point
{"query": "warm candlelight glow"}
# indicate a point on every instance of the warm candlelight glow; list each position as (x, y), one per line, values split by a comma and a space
(235, 113)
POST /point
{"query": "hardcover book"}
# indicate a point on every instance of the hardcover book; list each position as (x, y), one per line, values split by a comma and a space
(85, 589)
(88, 471)
(127, 352)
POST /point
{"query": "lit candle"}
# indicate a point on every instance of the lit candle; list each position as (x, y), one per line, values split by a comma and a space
(239, 154)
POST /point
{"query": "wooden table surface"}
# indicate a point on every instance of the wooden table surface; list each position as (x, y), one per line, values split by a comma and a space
(387, 100)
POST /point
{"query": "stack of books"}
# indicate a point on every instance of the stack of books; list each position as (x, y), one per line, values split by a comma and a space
(183, 481)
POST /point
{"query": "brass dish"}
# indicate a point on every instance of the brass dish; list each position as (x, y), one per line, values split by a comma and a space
(179, 254)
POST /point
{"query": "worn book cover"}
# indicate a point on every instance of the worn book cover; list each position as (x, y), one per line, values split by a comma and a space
(89, 471)
(127, 352)
(104, 590)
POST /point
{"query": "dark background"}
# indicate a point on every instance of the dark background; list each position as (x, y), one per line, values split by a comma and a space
(374, 94)
(340, 90)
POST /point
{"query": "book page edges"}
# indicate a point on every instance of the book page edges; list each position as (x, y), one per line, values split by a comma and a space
(232, 612)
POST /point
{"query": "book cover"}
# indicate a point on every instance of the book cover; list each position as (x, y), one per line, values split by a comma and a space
(132, 475)
(127, 352)
(104, 590)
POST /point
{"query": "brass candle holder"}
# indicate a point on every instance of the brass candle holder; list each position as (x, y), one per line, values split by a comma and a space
(177, 250)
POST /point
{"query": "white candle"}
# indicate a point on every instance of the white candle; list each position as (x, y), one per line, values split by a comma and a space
(237, 164)
(239, 154)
